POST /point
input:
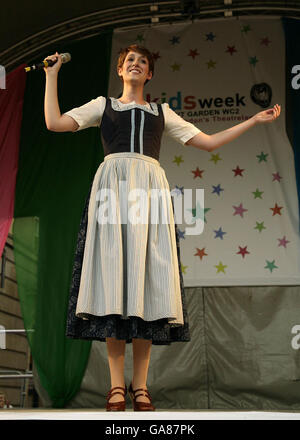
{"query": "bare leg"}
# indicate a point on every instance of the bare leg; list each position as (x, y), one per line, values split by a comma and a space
(116, 356)
(141, 357)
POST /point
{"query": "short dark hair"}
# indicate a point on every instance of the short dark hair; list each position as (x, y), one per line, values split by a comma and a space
(139, 49)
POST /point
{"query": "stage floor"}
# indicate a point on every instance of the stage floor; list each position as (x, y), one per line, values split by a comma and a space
(102, 414)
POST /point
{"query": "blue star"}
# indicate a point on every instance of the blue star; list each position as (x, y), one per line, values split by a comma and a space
(181, 233)
(217, 189)
(219, 233)
(174, 40)
(210, 36)
(177, 190)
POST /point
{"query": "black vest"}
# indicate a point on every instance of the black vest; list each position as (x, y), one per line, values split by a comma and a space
(132, 127)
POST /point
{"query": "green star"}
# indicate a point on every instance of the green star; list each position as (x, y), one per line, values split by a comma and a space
(176, 66)
(140, 38)
(215, 157)
(199, 212)
(270, 265)
(253, 60)
(178, 160)
(260, 226)
(262, 157)
(246, 28)
(220, 267)
(257, 194)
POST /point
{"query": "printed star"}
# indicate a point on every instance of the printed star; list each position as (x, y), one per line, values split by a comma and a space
(246, 28)
(262, 157)
(156, 56)
(140, 38)
(238, 171)
(210, 37)
(217, 189)
(181, 233)
(231, 49)
(276, 177)
(193, 53)
(243, 251)
(215, 157)
(210, 64)
(198, 173)
(183, 268)
(220, 267)
(219, 233)
(198, 212)
(175, 40)
(283, 242)
(270, 265)
(178, 190)
(260, 226)
(257, 194)
(176, 67)
(265, 41)
(239, 210)
(178, 160)
(253, 60)
(276, 209)
(200, 253)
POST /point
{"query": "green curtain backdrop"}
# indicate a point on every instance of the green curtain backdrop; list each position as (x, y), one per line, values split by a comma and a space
(54, 176)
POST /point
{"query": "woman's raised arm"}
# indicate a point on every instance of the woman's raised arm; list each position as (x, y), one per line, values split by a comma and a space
(216, 140)
(55, 121)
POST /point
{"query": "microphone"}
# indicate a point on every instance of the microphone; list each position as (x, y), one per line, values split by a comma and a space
(65, 57)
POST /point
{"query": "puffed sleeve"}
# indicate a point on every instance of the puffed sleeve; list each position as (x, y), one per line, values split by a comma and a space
(89, 114)
(177, 127)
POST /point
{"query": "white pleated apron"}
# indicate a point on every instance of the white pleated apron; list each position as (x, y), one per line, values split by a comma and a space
(130, 268)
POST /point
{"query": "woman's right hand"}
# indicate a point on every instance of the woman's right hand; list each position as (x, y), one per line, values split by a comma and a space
(55, 68)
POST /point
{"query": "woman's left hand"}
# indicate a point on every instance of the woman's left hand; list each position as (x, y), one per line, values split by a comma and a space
(268, 115)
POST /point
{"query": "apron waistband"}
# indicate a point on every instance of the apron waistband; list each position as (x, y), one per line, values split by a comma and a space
(129, 154)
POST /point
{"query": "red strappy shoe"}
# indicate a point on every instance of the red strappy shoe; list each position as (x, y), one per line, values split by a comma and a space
(140, 406)
(116, 406)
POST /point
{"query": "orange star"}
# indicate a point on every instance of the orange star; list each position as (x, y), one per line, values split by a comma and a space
(200, 253)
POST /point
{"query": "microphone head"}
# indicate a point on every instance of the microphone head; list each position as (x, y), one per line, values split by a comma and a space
(65, 57)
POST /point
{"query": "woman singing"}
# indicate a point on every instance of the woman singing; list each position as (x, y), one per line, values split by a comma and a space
(127, 284)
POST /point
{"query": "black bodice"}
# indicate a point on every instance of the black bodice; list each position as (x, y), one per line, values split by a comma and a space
(132, 127)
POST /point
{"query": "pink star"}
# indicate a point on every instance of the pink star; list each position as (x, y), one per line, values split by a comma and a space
(231, 49)
(276, 177)
(243, 251)
(282, 242)
(238, 171)
(239, 210)
(265, 41)
(193, 53)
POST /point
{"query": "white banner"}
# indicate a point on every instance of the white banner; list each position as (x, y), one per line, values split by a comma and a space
(217, 74)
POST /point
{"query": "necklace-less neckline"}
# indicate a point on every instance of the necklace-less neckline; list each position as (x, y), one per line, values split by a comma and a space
(133, 102)
(120, 106)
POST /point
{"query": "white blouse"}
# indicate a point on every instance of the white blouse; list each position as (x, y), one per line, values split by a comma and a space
(90, 115)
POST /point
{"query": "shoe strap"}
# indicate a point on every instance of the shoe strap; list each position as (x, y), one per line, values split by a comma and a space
(111, 393)
(142, 394)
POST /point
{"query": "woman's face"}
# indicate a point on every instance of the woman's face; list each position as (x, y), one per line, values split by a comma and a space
(135, 68)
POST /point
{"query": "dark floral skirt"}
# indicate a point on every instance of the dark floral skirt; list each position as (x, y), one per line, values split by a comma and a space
(161, 332)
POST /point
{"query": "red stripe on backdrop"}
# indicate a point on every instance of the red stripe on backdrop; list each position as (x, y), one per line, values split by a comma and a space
(11, 110)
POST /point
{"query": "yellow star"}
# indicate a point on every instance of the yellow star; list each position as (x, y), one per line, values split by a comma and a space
(178, 160)
(176, 66)
(183, 268)
(215, 157)
(211, 63)
(220, 267)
